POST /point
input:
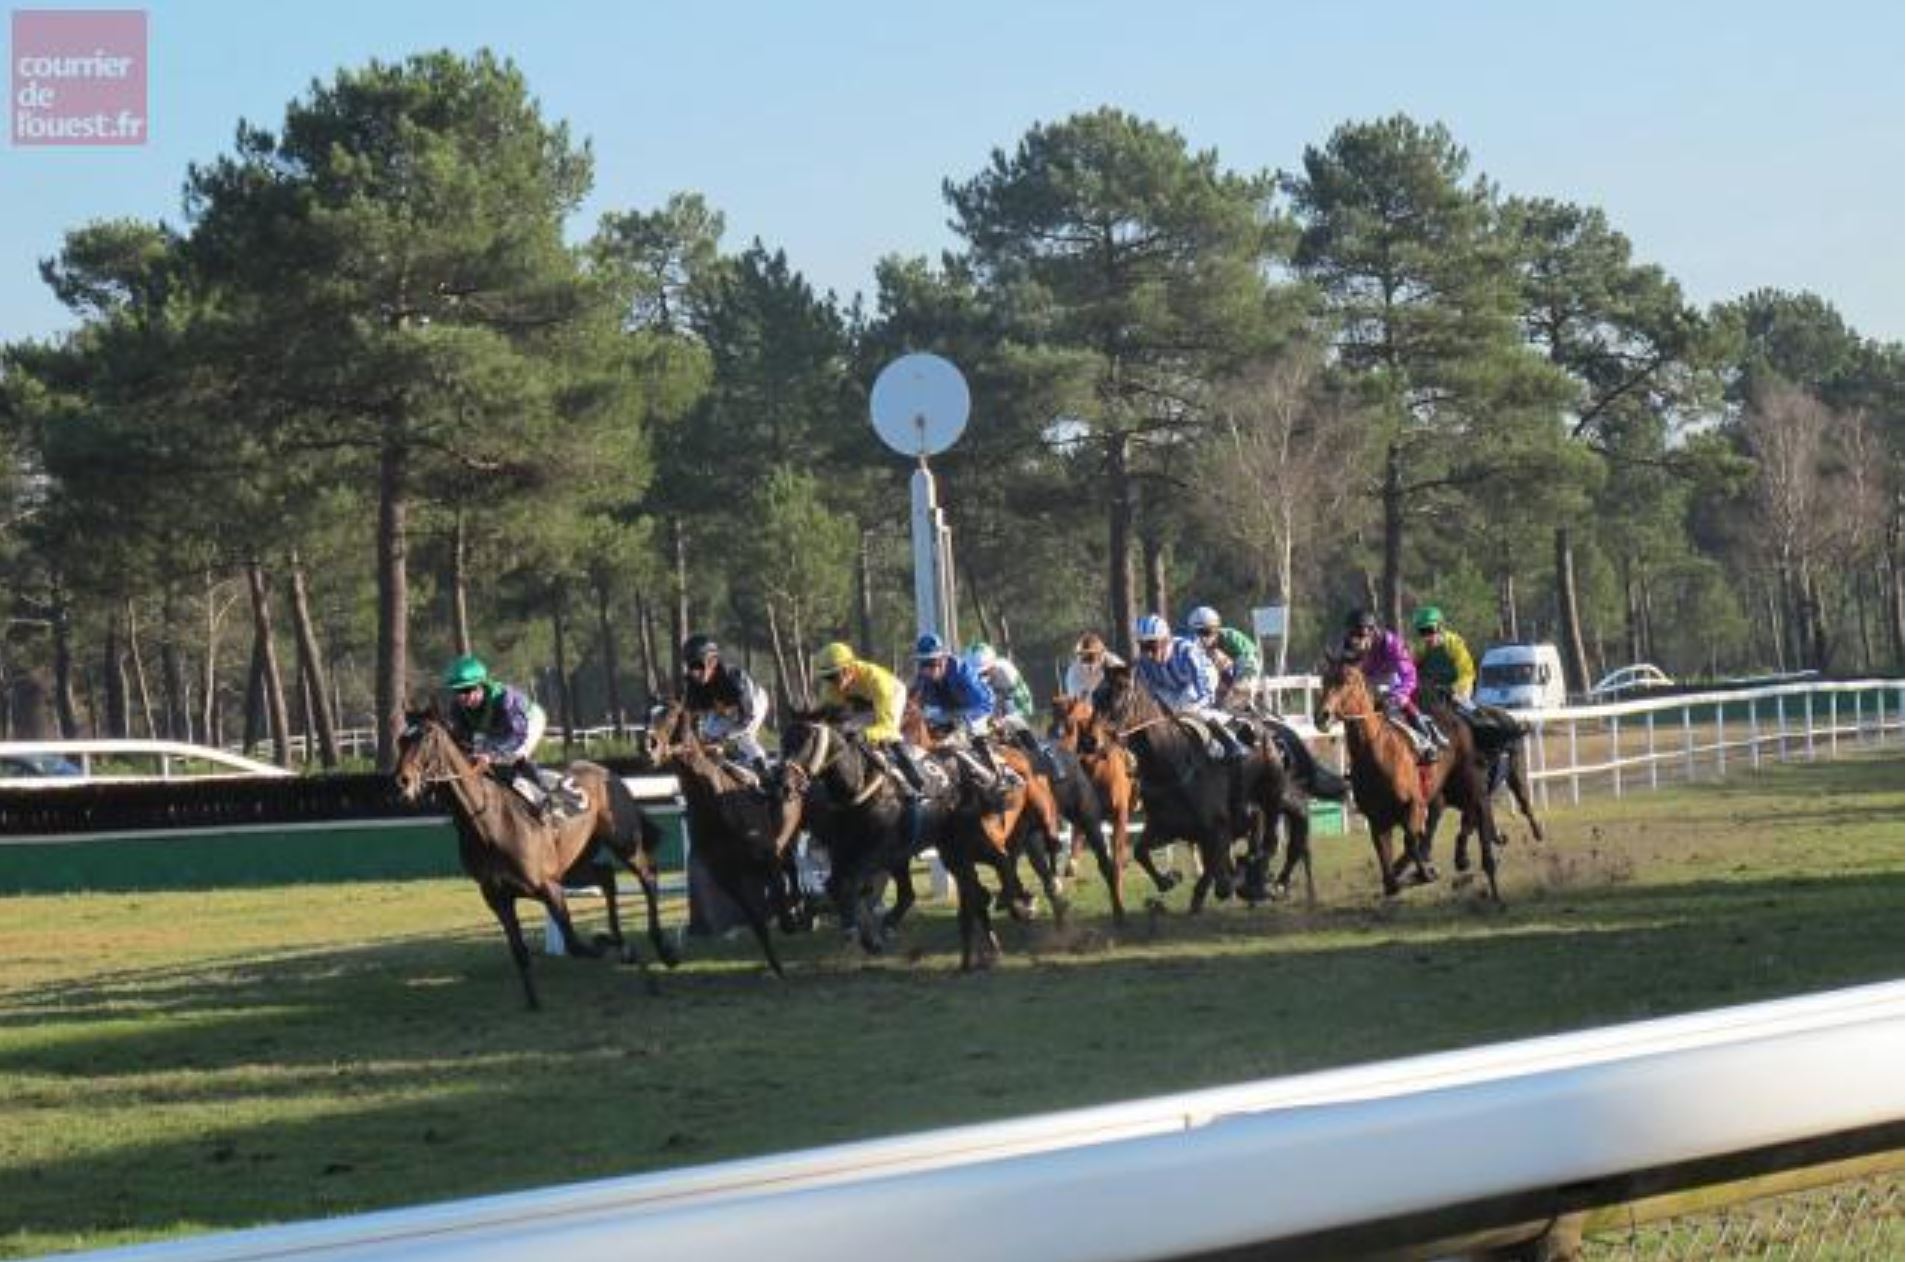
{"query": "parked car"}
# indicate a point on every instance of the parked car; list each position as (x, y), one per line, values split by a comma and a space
(1629, 680)
(27, 765)
(1521, 677)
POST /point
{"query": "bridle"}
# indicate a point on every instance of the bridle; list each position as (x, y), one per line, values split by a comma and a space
(426, 776)
(825, 754)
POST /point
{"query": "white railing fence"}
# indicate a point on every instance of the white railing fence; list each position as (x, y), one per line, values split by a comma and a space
(1642, 744)
(1432, 1155)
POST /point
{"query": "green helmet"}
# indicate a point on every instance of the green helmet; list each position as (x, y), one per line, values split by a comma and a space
(466, 672)
(1429, 618)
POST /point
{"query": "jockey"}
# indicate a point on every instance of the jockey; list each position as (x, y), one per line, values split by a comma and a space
(1090, 657)
(1012, 699)
(1182, 679)
(1445, 667)
(1231, 651)
(953, 695)
(950, 691)
(1391, 672)
(873, 701)
(1443, 662)
(499, 727)
(727, 705)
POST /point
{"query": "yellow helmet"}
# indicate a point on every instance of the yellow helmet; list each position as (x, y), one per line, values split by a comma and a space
(833, 659)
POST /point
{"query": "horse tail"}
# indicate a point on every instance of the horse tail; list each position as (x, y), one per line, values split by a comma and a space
(1317, 780)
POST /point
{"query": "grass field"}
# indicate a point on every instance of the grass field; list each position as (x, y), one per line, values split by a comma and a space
(173, 1063)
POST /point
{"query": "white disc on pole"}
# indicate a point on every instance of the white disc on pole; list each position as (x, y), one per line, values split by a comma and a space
(920, 404)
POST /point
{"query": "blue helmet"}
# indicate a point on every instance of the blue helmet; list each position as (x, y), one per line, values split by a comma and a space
(1203, 618)
(929, 647)
(1151, 627)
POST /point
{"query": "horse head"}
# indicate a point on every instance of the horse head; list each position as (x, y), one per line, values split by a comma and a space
(810, 747)
(1344, 693)
(426, 754)
(668, 731)
(1117, 695)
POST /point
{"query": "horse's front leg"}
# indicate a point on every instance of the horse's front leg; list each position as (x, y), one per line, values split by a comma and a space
(903, 897)
(1165, 881)
(1040, 856)
(1380, 841)
(503, 907)
(1297, 850)
(752, 897)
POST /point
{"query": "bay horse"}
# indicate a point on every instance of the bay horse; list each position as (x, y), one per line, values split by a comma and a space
(511, 854)
(1108, 794)
(1393, 789)
(1189, 795)
(740, 829)
(1026, 823)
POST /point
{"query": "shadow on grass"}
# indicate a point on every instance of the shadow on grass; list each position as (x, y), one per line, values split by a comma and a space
(406, 1072)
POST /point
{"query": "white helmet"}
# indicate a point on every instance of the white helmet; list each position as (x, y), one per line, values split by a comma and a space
(1203, 618)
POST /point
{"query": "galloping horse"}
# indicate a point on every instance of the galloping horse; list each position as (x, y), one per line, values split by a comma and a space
(1505, 757)
(1392, 789)
(870, 830)
(1188, 795)
(741, 830)
(1026, 822)
(512, 854)
(1109, 794)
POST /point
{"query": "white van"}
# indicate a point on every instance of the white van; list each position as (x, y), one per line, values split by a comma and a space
(1521, 677)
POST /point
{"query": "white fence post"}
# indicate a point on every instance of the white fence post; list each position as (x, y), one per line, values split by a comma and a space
(1753, 731)
(1720, 740)
(1833, 724)
(1780, 720)
(1654, 768)
(1807, 703)
(1687, 737)
(1574, 763)
(1614, 748)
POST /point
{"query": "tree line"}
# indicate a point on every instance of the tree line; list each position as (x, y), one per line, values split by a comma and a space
(368, 405)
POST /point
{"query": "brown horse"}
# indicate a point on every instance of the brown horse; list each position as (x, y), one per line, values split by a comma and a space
(1392, 789)
(1191, 796)
(1111, 781)
(740, 829)
(512, 854)
(1026, 820)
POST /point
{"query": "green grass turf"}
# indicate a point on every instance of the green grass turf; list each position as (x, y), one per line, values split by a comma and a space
(183, 1062)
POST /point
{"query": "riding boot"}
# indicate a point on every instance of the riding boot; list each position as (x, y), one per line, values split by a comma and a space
(906, 776)
(1008, 778)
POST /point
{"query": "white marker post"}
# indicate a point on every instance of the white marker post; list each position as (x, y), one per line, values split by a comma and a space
(920, 404)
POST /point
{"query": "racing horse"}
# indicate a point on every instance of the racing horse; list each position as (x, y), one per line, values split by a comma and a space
(512, 854)
(1190, 795)
(1025, 822)
(868, 826)
(1107, 793)
(1393, 789)
(741, 828)
(1501, 744)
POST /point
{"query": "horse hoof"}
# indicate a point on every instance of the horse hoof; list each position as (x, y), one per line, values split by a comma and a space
(1168, 882)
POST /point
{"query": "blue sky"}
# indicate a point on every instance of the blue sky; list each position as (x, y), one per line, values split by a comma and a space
(1739, 145)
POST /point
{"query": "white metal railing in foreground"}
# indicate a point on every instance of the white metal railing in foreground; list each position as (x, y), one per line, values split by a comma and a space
(1181, 1175)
